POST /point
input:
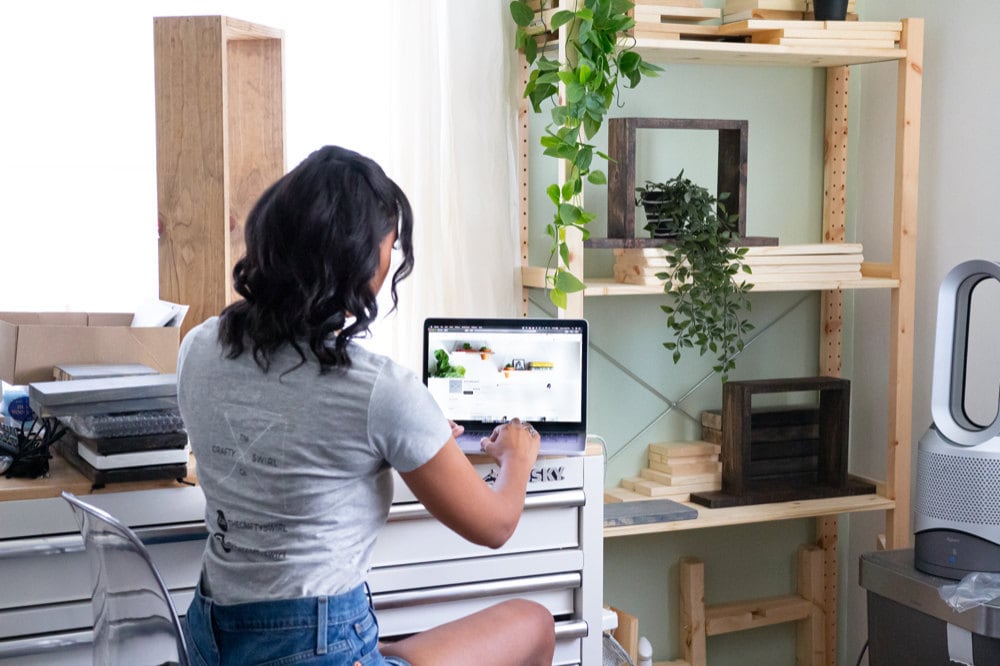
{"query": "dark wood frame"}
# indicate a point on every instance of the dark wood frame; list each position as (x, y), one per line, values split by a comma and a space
(832, 480)
(732, 175)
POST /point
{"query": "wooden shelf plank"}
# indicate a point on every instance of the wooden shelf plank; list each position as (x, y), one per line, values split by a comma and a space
(759, 513)
(533, 276)
(669, 51)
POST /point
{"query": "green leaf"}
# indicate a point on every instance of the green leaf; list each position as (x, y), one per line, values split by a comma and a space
(553, 192)
(574, 92)
(558, 298)
(621, 6)
(561, 18)
(629, 62)
(569, 213)
(522, 14)
(530, 49)
(567, 282)
(597, 178)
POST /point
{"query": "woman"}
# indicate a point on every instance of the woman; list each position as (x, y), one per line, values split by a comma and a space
(295, 428)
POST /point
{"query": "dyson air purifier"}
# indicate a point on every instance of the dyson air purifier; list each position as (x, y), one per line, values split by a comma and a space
(957, 508)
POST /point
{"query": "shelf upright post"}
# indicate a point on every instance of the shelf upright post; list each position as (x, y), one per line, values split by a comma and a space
(904, 265)
(835, 134)
(523, 182)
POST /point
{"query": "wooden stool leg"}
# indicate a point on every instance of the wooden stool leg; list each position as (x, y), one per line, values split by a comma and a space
(810, 643)
(692, 611)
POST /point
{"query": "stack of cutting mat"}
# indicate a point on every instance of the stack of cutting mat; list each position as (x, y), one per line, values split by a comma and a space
(775, 10)
(120, 428)
(771, 265)
(675, 470)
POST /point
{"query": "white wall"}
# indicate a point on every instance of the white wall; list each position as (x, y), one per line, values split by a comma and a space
(960, 145)
(77, 131)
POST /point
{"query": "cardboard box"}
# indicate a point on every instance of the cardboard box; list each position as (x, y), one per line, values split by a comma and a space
(31, 343)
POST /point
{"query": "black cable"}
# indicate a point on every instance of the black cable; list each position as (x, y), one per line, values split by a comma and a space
(864, 648)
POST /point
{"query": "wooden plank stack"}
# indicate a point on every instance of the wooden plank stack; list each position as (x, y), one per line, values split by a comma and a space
(677, 469)
(796, 264)
(774, 265)
(775, 10)
(820, 34)
(657, 20)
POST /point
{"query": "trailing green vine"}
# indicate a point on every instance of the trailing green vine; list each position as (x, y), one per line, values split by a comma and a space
(598, 57)
(711, 298)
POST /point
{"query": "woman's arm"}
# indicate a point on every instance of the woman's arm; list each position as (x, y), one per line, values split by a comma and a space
(449, 487)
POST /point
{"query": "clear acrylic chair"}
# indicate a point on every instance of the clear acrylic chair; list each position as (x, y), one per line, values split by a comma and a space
(135, 622)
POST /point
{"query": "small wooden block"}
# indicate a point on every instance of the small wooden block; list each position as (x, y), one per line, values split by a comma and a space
(676, 481)
(648, 13)
(701, 467)
(656, 36)
(673, 450)
(761, 14)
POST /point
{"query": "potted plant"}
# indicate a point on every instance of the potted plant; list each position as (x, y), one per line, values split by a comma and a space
(507, 369)
(709, 302)
(670, 204)
(484, 352)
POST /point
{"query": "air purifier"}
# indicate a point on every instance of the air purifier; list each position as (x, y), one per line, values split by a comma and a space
(957, 507)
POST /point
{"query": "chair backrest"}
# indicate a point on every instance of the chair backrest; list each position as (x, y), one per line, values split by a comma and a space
(135, 621)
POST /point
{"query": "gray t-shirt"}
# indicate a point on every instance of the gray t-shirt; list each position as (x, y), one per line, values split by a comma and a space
(295, 466)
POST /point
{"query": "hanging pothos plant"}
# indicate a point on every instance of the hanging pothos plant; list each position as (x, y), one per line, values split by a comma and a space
(598, 57)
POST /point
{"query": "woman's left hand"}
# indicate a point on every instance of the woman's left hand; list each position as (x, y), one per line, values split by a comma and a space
(456, 430)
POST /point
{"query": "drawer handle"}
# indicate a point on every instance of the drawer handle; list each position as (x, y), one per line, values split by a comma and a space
(572, 629)
(560, 499)
(28, 647)
(73, 543)
(435, 595)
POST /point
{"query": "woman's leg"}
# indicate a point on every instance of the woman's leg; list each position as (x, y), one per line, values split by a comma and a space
(512, 633)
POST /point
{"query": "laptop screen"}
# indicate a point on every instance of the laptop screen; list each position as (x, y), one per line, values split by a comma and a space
(486, 371)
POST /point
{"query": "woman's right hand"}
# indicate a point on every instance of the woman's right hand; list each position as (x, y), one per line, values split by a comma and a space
(514, 440)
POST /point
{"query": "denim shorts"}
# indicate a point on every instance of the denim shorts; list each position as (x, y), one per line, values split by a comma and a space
(341, 629)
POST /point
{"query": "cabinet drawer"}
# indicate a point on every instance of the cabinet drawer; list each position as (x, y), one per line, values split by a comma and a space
(457, 572)
(549, 521)
(39, 517)
(42, 575)
(410, 611)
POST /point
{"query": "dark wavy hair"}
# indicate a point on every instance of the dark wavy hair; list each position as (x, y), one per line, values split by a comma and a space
(312, 246)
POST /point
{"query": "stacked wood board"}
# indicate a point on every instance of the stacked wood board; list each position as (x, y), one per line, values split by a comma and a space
(775, 10)
(675, 470)
(820, 34)
(673, 19)
(770, 264)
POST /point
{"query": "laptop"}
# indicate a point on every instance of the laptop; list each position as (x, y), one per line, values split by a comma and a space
(484, 372)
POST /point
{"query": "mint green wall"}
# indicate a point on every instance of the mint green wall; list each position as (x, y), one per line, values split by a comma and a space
(633, 381)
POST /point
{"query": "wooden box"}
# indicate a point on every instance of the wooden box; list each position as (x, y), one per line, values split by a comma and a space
(783, 454)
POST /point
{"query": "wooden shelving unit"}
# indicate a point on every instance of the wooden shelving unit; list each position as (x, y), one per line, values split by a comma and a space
(219, 144)
(897, 276)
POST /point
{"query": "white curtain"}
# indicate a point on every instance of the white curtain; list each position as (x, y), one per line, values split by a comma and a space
(452, 93)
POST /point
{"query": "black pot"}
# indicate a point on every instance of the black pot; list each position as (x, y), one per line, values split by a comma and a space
(657, 225)
(830, 10)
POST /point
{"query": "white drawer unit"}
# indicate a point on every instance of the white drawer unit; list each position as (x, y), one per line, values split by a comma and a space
(422, 573)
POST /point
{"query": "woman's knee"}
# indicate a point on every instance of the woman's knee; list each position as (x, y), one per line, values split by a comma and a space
(532, 619)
